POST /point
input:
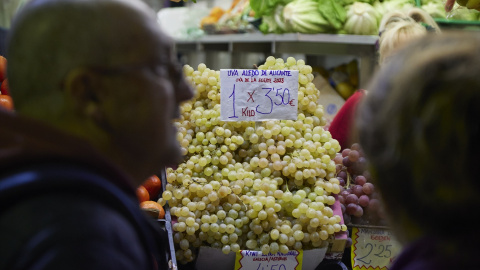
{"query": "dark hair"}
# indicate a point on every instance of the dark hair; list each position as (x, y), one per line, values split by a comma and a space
(419, 127)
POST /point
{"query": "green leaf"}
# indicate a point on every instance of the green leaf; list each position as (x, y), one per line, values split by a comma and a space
(266, 7)
(333, 12)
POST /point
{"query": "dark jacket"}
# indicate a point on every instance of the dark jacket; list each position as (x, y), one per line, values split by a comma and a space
(64, 206)
(431, 253)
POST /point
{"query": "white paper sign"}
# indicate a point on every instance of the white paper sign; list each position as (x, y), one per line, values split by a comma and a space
(247, 260)
(257, 95)
(373, 248)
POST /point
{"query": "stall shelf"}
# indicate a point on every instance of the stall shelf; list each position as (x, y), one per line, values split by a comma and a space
(315, 45)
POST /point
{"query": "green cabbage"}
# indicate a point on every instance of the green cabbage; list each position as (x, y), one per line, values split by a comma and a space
(361, 19)
(314, 16)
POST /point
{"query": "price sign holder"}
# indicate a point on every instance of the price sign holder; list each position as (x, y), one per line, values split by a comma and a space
(373, 248)
(255, 260)
(258, 95)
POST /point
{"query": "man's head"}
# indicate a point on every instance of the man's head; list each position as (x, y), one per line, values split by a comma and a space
(419, 127)
(102, 70)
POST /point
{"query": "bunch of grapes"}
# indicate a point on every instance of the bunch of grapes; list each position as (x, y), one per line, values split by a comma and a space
(359, 201)
(260, 186)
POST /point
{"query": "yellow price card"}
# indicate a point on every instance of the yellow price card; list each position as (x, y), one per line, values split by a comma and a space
(373, 249)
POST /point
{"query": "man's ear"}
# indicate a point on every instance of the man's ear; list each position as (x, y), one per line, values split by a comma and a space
(83, 88)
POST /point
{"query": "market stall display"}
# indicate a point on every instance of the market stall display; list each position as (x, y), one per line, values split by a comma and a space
(313, 16)
(247, 154)
(264, 186)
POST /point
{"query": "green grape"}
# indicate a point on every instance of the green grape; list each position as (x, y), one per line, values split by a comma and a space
(184, 244)
(226, 249)
(190, 221)
(302, 207)
(262, 215)
(214, 227)
(287, 196)
(283, 249)
(285, 229)
(298, 235)
(283, 238)
(274, 248)
(251, 244)
(296, 199)
(274, 234)
(167, 195)
(230, 228)
(270, 61)
(265, 249)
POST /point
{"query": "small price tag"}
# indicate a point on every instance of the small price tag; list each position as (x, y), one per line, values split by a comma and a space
(255, 260)
(256, 95)
(373, 249)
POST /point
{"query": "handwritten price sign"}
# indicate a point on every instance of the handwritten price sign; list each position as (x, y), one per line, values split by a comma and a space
(255, 260)
(373, 249)
(256, 95)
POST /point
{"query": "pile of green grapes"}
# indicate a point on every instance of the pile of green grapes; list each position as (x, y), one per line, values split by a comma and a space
(264, 186)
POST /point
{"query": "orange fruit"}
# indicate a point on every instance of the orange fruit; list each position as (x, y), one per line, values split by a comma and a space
(153, 208)
(142, 194)
(153, 186)
(3, 68)
(6, 102)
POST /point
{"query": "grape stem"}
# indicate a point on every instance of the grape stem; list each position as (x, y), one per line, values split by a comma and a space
(197, 181)
(349, 179)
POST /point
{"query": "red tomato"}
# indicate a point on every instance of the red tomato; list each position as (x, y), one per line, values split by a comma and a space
(153, 186)
(142, 194)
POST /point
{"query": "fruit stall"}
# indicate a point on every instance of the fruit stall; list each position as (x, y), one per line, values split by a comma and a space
(256, 191)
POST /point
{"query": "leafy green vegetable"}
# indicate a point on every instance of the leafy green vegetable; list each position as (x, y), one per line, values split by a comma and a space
(333, 12)
(266, 7)
(274, 23)
(304, 16)
(362, 19)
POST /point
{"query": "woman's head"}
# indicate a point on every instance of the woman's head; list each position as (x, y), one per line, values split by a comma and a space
(420, 129)
(397, 28)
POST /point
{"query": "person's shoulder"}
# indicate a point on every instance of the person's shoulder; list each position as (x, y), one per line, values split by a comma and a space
(69, 225)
